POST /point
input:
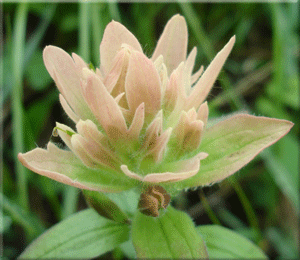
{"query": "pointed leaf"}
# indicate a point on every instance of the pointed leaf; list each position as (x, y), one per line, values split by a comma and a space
(223, 243)
(84, 235)
(233, 143)
(172, 235)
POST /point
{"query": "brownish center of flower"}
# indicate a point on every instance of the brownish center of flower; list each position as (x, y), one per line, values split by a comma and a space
(153, 199)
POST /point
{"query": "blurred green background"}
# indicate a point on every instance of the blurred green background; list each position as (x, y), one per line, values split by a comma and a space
(261, 76)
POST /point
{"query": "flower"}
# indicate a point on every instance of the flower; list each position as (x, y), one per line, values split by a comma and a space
(140, 121)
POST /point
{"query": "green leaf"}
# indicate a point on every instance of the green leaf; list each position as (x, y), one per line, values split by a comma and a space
(286, 180)
(285, 83)
(233, 143)
(223, 243)
(83, 235)
(27, 220)
(30, 48)
(284, 243)
(127, 200)
(105, 206)
(128, 249)
(172, 235)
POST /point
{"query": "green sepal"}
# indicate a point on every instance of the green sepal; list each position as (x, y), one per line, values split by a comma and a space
(105, 206)
(223, 243)
(92, 67)
(68, 132)
(171, 235)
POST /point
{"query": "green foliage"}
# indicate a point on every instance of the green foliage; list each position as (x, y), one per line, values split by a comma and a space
(29, 221)
(222, 243)
(84, 235)
(171, 235)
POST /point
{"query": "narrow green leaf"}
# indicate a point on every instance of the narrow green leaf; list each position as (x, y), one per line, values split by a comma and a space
(83, 235)
(233, 143)
(248, 209)
(31, 224)
(17, 93)
(84, 30)
(285, 83)
(286, 180)
(98, 25)
(172, 235)
(39, 34)
(30, 47)
(223, 243)
(105, 206)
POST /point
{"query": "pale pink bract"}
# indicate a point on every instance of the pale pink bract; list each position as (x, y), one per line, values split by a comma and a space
(139, 120)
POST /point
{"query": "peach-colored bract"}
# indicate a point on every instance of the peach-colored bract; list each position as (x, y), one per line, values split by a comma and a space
(138, 119)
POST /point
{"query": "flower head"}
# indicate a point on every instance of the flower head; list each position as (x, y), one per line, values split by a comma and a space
(139, 120)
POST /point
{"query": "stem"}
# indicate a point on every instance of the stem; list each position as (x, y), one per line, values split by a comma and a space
(17, 95)
(250, 214)
(69, 201)
(208, 209)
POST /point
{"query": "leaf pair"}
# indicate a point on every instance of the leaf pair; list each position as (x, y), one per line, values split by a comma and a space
(172, 235)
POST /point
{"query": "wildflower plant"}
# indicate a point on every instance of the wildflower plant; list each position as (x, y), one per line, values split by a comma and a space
(141, 135)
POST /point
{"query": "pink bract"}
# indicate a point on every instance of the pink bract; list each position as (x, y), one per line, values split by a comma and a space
(139, 120)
